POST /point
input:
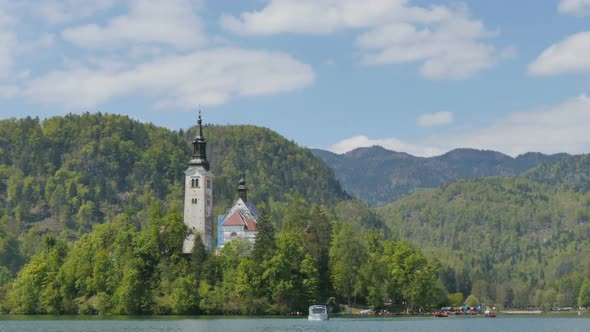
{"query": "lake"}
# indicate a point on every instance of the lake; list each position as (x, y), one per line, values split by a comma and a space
(225, 324)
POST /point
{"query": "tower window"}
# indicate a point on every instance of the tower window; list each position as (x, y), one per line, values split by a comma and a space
(194, 201)
(208, 183)
(194, 183)
(197, 183)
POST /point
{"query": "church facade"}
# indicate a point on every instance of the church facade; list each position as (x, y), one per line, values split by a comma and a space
(241, 220)
(198, 195)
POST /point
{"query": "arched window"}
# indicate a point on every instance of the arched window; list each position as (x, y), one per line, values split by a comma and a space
(233, 234)
(192, 183)
(197, 183)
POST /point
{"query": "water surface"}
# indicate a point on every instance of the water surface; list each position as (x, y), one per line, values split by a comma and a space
(225, 324)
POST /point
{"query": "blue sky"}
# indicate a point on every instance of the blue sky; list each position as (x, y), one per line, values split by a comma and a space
(422, 77)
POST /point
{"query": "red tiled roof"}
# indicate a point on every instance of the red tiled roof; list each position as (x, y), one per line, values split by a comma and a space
(250, 224)
(243, 214)
(235, 219)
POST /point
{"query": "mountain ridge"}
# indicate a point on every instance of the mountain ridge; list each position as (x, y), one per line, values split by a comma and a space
(379, 176)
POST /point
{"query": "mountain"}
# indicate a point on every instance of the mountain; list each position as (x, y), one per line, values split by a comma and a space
(517, 240)
(379, 176)
(64, 174)
(571, 173)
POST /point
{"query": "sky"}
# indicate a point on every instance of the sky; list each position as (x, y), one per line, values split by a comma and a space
(422, 76)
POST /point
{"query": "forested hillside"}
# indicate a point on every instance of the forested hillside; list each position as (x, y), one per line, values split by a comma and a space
(91, 206)
(571, 173)
(509, 241)
(379, 176)
(65, 174)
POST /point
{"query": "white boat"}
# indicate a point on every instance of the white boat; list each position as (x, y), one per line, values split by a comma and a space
(318, 312)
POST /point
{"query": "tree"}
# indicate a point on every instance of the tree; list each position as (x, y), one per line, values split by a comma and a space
(455, 299)
(264, 245)
(472, 301)
(584, 297)
(375, 272)
(317, 242)
(185, 295)
(347, 256)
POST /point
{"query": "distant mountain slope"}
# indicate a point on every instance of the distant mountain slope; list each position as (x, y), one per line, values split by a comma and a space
(515, 241)
(379, 176)
(571, 173)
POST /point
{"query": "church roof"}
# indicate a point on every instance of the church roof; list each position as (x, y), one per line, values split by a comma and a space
(242, 214)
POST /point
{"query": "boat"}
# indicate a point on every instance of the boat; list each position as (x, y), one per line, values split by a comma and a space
(318, 312)
(441, 314)
(490, 314)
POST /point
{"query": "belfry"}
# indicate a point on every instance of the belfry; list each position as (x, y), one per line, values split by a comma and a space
(198, 195)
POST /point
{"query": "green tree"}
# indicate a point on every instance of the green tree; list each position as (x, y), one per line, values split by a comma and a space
(185, 295)
(584, 297)
(347, 256)
(472, 301)
(455, 299)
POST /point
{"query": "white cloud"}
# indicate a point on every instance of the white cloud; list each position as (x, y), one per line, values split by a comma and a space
(574, 7)
(12, 47)
(310, 16)
(560, 128)
(205, 77)
(171, 22)
(393, 144)
(435, 119)
(8, 43)
(444, 39)
(450, 51)
(8, 91)
(568, 56)
(62, 11)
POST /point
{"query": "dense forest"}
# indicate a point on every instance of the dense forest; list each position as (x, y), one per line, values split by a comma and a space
(379, 176)
(510, 241)
(65, 174)
(118, 269)
(91, 224)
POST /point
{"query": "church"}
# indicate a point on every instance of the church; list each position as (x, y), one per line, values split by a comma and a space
(240, 221)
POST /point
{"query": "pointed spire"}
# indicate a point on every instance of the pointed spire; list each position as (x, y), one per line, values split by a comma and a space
(200, 147)
(243, 190)
(200, 123)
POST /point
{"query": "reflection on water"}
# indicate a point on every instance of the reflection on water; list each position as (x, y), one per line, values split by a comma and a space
(230, 324)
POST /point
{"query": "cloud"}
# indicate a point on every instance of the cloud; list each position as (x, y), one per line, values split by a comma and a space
(8, 43)
(310, 16)
(435, 119)
(393, 144)
(448, 52)
(574, 7)
(445, 40)
(559, 128)
(206, 77)
(63, 11)
(568, 56)
(171, 22)
(8, 91)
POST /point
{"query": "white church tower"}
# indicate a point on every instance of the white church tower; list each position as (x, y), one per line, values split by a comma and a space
(198, 195)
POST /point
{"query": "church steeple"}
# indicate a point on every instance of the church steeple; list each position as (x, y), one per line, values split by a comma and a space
(200, 148)
(243, 190)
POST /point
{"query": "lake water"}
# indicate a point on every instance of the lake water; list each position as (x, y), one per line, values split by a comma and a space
(224, 324)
